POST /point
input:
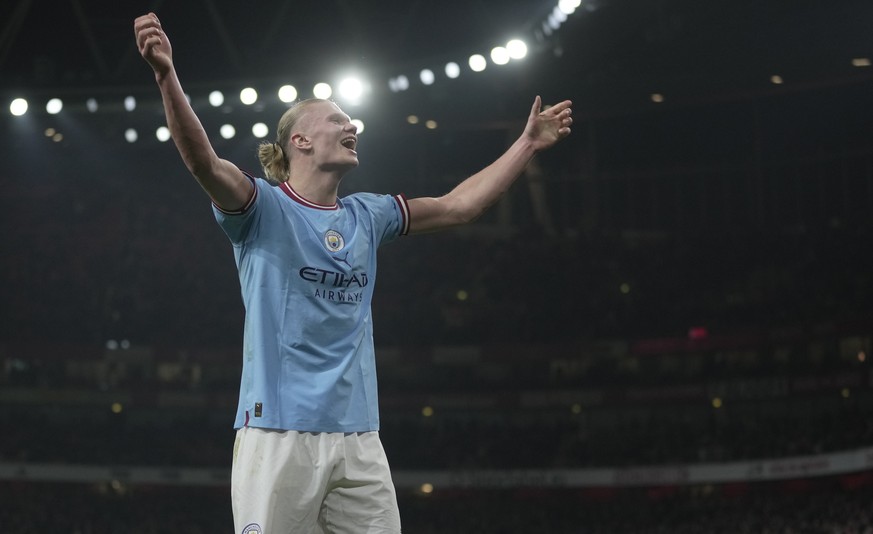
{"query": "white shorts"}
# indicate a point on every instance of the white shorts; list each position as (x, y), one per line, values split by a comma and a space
(303, 482)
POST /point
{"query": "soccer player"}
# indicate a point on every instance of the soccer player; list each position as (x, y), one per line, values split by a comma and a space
(307, 456)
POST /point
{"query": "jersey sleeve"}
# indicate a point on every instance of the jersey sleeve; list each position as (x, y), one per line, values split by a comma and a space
(389, 215)
(241, 224)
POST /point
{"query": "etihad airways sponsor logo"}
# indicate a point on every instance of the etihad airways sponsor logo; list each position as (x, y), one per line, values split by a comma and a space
(334, 278)
(346, 284)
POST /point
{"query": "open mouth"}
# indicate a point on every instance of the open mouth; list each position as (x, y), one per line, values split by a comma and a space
(350, 143)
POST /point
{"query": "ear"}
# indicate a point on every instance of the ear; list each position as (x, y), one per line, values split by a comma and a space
(300, 141)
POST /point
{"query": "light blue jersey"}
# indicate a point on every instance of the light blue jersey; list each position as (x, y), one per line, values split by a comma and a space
(307, 273)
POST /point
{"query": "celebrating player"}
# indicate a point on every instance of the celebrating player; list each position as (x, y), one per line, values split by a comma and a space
(307, 456)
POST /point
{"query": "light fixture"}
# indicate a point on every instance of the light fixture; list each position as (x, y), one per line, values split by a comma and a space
(287, 93)
(477, 63)
(322, 90)
(248, 96)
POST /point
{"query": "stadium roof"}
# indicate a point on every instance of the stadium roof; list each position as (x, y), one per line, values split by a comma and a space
(612, 54)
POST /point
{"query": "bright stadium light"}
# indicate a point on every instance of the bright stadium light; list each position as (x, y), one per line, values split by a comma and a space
(287, 93)
(569, 6)
(453, 70)
(54, 106)
(477, 62)
(18, 107)
(260, 130)
(92, 105)
(426, 76)
(351, 89)
(322, 90)
(131, 135)
(359, 124)
(499, 55)
(163, 134)
(130, 103)
(516, 48)
(248, 96)
(216, 98)
(227, 131)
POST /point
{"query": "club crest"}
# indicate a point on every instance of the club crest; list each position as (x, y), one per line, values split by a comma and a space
(334, 241)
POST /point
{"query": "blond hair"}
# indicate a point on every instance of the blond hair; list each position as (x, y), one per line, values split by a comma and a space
(273, 156)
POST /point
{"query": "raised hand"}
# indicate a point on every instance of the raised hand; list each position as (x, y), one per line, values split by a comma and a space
(153, 44)
(545, 128)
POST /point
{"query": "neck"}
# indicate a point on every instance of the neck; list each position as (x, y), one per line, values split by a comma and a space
(319, 187)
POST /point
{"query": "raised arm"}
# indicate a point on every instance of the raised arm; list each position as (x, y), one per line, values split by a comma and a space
(221, 179)
(477, 193)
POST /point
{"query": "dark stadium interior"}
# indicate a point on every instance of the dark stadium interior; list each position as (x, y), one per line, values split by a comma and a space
(687, 280)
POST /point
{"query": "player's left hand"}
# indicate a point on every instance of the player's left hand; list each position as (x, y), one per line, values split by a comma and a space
(547, 127)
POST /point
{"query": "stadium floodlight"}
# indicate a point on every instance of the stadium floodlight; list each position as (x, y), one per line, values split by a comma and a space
(568, 7)
(227, 131)
(18, 107)
(163, 134)
(260, 130)
(91, 105)
(129, 103)
(453, 70)
(287, 93)
(402, 82)
(216, 98)
(499, 55)
(426, 76)
(351, 89)
(131, 135)
(516, 48)
(477, 62)
(322, 90)
(248, 96)
(359, 124)
(54, 106)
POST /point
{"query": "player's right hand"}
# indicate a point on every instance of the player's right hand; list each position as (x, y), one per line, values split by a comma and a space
(153, 44)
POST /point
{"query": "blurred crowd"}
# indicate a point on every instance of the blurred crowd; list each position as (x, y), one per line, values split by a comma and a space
(499, 438)
(618, 313)
(821, 507)
(143, 260)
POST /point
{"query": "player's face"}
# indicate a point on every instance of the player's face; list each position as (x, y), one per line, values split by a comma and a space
(334, 138)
